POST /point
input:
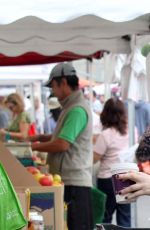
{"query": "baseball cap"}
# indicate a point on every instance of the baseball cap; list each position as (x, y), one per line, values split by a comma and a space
(60, 70)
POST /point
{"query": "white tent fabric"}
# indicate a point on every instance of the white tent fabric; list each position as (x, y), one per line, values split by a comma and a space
(133, 79)
(57, 11)
(24, 75)
(109, 66)
(84, 35)
(82, 27)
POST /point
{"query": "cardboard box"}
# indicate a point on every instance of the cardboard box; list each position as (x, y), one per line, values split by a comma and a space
(24, 198)
(19, 149)
(22, 180)
(48, 201)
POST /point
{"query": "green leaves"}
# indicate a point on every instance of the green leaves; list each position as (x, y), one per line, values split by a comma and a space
(145, 50)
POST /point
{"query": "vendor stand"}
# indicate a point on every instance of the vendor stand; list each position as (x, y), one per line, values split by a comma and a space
(23, 180)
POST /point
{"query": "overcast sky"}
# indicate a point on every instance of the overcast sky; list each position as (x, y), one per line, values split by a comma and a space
(61, 10)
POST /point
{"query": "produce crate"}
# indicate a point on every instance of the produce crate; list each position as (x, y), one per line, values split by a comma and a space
(26, 161)
(22, 180)
(20, 149)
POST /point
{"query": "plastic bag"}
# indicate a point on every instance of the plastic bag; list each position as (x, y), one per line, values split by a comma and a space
(98, 203)
(11, 215)
(32, 129)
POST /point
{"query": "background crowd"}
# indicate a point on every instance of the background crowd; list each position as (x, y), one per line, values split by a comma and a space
(79, 129)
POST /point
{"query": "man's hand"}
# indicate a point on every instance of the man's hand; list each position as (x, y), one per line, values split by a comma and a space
(39, 138)
(34, 146)
(32, 138)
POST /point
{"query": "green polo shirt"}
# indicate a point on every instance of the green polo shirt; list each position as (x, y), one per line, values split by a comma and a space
(75, 122)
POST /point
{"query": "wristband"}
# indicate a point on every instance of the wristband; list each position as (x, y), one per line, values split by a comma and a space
(7, 136)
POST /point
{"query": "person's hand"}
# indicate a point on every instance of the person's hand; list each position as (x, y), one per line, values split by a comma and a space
(34, 146)
(141, 186)
(3, 131)
(34, 138)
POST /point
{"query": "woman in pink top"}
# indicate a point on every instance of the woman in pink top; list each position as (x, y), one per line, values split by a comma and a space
(111, 142)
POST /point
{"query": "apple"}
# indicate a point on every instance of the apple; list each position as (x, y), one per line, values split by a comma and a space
(49, 175)
(38, 176)
(57, 178)
(32, 169)
(36, 159)
(46, 180)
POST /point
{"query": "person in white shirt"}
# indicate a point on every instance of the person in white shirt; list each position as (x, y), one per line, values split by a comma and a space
(95, 102)
(39, 115)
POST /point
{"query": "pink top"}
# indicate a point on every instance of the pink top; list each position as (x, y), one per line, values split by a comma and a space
(109, 145)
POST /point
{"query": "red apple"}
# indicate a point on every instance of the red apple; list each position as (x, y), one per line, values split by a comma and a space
(32, 169)
(34, 158)
(50, 176)
(46, 181)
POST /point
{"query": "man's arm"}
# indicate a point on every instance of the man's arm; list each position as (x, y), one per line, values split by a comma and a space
(40, 138)
(75, 122)
(58, 145)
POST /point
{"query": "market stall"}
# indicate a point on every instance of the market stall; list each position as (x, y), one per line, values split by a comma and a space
(23, 181)
(34, 38)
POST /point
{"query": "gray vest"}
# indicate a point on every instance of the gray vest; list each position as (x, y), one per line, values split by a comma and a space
(75, 164)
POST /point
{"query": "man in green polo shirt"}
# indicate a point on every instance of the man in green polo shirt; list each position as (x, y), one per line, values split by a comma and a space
(70, 146)
(79, 118)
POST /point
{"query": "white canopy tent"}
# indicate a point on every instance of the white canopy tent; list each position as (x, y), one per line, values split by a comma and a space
(52, 27)
(84, 35)
(81, 27)
(84, 27)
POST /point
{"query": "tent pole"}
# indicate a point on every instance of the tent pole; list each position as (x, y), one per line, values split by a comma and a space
(148, 75)
(131, 121)
(19, 89)
(131, 124)
(89, 77)
(107, 75)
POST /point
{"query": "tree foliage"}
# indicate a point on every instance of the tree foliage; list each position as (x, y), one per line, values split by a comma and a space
(145, 50)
